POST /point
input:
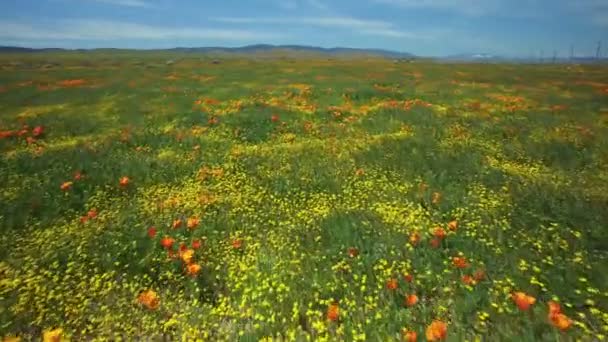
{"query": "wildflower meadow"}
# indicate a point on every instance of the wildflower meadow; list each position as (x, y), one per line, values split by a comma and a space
(288, 199)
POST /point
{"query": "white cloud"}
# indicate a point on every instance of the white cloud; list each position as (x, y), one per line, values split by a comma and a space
(112, 30)
(362, 26)
(469, 7)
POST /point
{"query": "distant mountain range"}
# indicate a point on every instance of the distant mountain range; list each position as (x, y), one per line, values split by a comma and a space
(296, 50)
(249, 49)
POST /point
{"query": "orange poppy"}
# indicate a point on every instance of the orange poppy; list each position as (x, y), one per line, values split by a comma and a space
(30, 140)
(359, 172)
(151, 232)
(274, 118)
(439, 233)
(523, 301)
(468, 280)
(453, 225)
(353, 252)
(408, 278)
(414, 238)
(177, 223)
(460, 262)
(193, 269)
(124, 181)
(187, 255)
(333, 312)
(149, 299)
(193, 222)
(392, 284)
(411, 300)
(557, 318)
(554, 308)
(237, 243)
(436, 331)
(435, 242)
(167, 242)
(409, 335)
(66, 186)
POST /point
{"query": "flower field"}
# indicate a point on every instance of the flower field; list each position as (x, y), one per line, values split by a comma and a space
(301, 200)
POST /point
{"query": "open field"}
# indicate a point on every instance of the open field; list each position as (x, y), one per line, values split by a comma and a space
(302, 199)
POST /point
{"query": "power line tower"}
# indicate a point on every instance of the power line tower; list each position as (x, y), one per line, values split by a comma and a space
(554, 56)
(599, 49)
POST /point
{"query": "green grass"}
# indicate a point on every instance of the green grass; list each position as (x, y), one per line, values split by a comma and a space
(356, 153)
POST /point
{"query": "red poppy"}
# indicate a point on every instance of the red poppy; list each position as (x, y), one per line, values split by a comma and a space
(196, 244)
(152, 232)
(439, 233)
(237, 243)
(92, 214)
(182, 247)
(6, 134)
(30, 140)
(167, 242)
(37, 131)
(274, 118)
(84, 219)
(333, 312)
(435, 242)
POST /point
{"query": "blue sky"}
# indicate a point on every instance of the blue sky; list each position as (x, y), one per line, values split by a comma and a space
(423, 27)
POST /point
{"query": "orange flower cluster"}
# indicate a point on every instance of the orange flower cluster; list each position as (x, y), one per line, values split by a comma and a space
(149, 299)
(523, 301)
(557, 318)
(333, 312)
(436, 331)
(72, 83)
